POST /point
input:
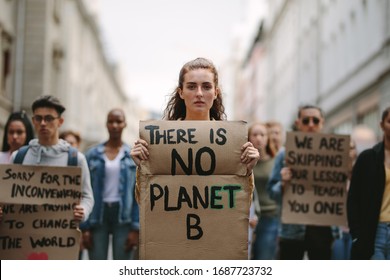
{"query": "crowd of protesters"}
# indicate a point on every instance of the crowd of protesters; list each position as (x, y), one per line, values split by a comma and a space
(110, 192)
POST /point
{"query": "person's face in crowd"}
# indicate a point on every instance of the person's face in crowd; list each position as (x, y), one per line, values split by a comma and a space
(310, 120)
(258, 136)
(385, 125)
(16, 135)
(199, 92)
(47, 123)
(116, 122)
(275, 135)
(71, 139)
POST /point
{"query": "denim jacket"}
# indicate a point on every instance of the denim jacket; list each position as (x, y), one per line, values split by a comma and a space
(274, 188)
(128, 207)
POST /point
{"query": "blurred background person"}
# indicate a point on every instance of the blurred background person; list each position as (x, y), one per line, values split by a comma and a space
(275, 135)
(368, 204)
(115, 212)
(18, 132)
(342, 246)
(254, 215)
(295, 240)
(266, 232)
(72, 137)
(364, 137)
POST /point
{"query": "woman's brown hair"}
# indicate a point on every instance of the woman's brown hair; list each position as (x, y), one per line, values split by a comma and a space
(176, 108)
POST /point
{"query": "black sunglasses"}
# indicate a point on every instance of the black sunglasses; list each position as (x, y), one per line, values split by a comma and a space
(306, 120)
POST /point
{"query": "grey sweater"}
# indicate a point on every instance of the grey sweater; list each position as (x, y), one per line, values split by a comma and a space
(57, 155)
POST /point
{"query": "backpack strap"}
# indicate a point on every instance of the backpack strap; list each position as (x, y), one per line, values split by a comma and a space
(72, 156)
(21, 154)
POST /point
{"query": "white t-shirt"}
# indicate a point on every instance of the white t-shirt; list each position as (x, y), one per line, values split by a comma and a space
(111, 178)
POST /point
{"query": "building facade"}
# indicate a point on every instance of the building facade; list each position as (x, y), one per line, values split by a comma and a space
(54, 47)
(332, 53)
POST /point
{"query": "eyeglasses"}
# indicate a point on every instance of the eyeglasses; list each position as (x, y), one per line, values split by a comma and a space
(315, 120)
(46, 118)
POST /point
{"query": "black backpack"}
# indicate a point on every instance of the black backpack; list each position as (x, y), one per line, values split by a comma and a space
(72, 155)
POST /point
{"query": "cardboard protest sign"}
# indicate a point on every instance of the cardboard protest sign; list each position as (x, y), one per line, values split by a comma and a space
(194, 147)
(38, 212)
(194, 216)
(317, 193)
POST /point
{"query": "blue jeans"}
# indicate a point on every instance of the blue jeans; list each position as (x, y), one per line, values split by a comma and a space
(382, 242)
(342, 247)
(265, 245)
(101, 233)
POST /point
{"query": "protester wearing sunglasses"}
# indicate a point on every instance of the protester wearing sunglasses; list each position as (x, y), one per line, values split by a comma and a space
(295, 240)
(315, 120)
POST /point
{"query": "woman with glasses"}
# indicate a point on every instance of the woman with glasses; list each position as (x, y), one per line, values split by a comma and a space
(17, 133)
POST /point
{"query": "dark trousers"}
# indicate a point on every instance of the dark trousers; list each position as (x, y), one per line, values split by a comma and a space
(317, 243)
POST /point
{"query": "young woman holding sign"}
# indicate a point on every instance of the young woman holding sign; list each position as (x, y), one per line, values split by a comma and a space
(197, 97)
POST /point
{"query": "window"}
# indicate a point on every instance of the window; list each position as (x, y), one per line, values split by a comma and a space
(5, 61)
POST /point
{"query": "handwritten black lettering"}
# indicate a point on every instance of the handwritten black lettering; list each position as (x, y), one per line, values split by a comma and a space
(8, 242)
(14, 224)
(23, 176)
(71, 180)
(175, 156)
(58, 207)
(54, 241)
(329, 191)
(198, 162)
(329, 176)
(28, 208)
(207, 198)
(221, 139)
(333, 144)
(334, 208)
(194, 226)
(169, 136)
(188, 168)
(9, 209)
(54, 224)
(47, 178)
(37, 192)
(298, 189)
(305, 143)
(298, 207)
(297, 159)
